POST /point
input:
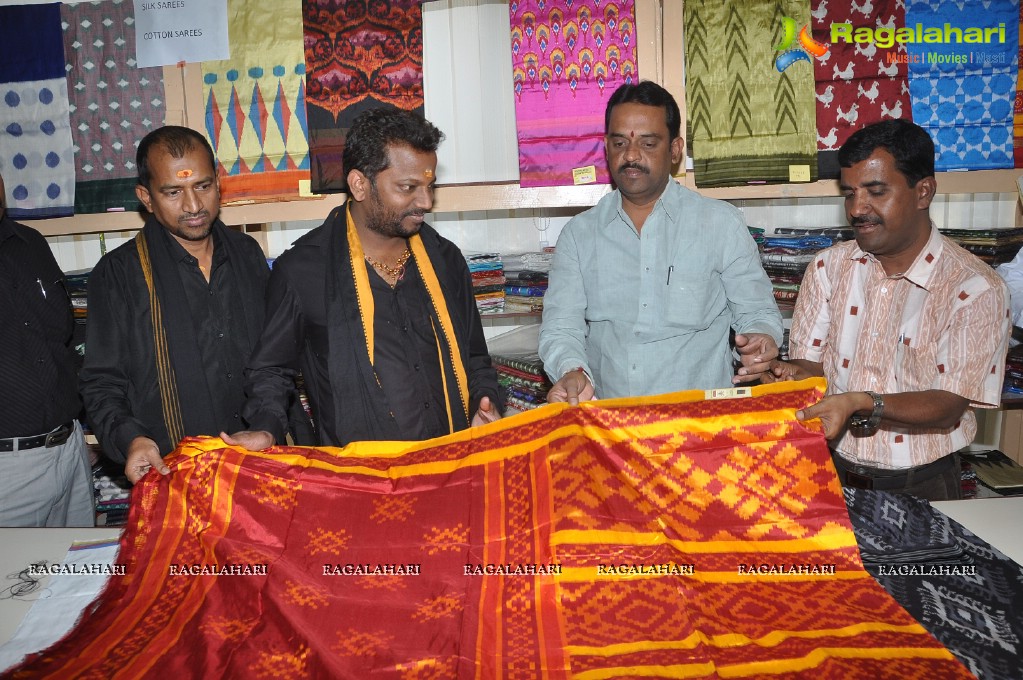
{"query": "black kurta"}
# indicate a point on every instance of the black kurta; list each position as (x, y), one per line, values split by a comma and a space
(313, 325)
(211, 328)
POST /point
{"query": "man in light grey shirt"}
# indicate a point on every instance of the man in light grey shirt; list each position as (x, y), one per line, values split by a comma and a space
(645, 285)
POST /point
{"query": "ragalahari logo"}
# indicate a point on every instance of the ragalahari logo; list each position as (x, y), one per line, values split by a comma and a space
(807, 45)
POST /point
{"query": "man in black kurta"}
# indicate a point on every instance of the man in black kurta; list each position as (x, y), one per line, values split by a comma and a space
(374, 308)
(173, 313)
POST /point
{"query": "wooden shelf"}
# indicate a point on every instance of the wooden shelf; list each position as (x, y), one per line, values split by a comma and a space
(449, 198)
(512, 315)
(510, 196)
(973, 182)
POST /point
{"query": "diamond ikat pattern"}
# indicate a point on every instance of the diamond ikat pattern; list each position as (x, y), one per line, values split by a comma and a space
(255, 102)
(503, 485)
(114, 104)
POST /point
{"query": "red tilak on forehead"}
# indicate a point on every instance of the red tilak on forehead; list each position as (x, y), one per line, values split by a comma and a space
(633, 134)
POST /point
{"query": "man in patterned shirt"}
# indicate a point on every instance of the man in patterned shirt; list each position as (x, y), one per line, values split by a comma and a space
(909, 329)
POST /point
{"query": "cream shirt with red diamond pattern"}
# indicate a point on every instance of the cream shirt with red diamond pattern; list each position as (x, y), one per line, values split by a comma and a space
(942, 325)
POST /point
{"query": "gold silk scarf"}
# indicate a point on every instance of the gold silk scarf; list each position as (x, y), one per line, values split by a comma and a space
(364, 297)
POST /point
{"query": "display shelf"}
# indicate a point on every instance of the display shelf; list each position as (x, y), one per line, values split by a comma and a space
(449, 198)
(512, 315)
(660, 27)
(452, 198)
(973, 182)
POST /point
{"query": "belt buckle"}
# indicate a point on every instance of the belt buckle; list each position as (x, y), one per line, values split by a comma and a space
(57, 437)
(858, 481)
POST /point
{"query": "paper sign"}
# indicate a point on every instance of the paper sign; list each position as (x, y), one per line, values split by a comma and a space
(171, 31)
(587, 175)
(799, 173)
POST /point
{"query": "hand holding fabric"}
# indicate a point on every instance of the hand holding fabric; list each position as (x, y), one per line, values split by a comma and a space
(573, 387)
(834, 411)
(143, 455)
(486, 413)
(781, 371)
(258, 440)
(756, 351)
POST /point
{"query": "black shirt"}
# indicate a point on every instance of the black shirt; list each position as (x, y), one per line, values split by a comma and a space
(295, 339)
(219, 330)
(119, 382)
(407, 362)
(38, 385)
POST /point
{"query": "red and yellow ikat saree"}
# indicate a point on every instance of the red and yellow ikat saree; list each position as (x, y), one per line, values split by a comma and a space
(692, 539)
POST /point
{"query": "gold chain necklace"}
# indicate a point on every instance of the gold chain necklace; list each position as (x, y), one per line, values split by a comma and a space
(398, 270)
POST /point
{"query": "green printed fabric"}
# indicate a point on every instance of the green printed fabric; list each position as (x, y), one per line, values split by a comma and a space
(746, 121)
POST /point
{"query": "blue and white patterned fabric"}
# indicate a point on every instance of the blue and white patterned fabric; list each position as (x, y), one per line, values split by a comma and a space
(36, 149)
(966, 107)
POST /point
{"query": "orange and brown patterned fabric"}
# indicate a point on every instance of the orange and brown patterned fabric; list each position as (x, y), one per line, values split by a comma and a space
(359, 55)
(689, 538)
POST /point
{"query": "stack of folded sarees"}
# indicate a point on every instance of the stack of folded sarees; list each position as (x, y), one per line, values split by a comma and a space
(522, 379)
(487, 271)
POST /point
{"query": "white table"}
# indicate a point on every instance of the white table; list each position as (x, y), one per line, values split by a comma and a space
(21, 547)
(999, 521)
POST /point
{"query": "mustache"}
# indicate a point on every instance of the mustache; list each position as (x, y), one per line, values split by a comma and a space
(192, 216)
(861, 221)
(414, 213)
(633, 166)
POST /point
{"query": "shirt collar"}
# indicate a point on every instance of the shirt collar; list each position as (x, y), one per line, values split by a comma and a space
(670, 201)
(179, 254)
(923, 267)
(7, 229)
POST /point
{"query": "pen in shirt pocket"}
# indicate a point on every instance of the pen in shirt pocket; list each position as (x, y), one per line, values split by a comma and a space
(670, 268)
(42, 288)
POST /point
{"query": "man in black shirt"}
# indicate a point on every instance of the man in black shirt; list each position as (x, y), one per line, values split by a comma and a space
(374, 307)
(45, 476)
(173, 314)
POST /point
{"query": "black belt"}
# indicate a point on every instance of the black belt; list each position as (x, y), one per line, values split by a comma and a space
(54, 438)
(864, 477)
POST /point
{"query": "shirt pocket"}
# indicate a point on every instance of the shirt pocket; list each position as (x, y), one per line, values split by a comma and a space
(917, 368)
(50, 305)
(693, 302)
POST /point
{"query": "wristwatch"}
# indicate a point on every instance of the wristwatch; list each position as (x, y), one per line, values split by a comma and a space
(867, 425)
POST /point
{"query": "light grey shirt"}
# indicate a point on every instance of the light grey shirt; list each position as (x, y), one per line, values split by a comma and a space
(649, 312)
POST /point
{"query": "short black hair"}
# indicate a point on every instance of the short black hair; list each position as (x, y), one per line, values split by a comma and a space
(650, 94)
(177, 141)
(371, 133)
(908, 143)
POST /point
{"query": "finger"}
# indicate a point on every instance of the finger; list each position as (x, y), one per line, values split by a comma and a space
(755, 368)
(136, 472)
(155, 460)
(572, 394)
(485, 405)
(556, 395)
